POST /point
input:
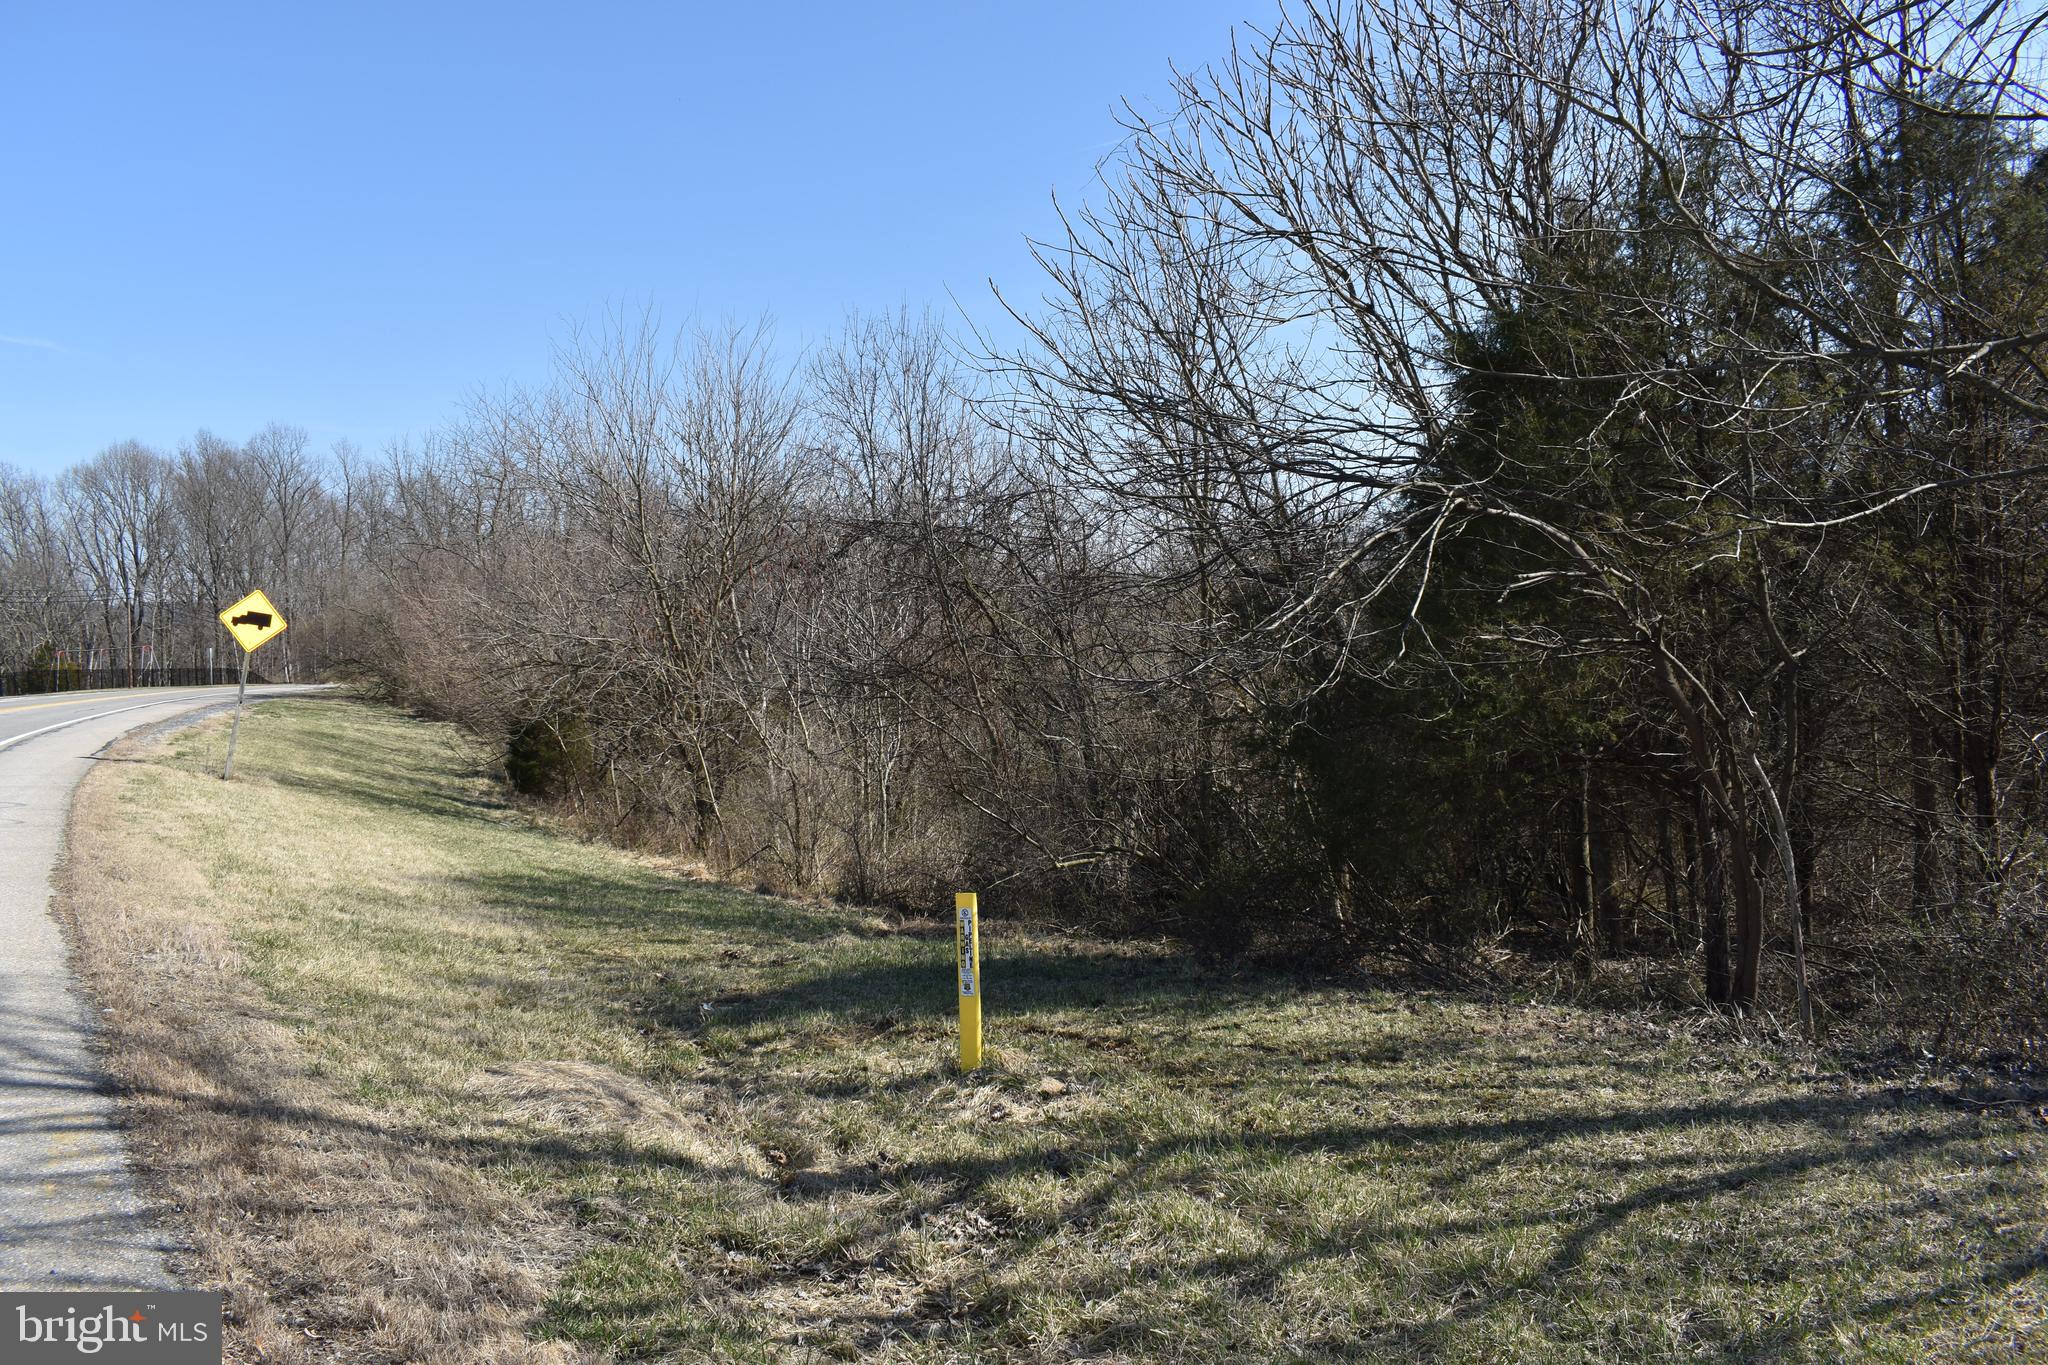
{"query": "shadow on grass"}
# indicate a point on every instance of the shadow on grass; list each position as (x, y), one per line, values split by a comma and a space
(1140, 1164)
(873, 977)
(899, 972)
(658, 909)
(666, 910)
(326, 757)
(1136, 1165)
(451, 791)
(1015, 982)
(1126, 1161)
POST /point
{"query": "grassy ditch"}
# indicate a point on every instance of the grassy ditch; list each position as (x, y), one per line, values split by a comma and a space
(428, 1081)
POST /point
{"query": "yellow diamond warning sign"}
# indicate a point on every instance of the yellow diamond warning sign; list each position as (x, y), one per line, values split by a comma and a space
(253, 621)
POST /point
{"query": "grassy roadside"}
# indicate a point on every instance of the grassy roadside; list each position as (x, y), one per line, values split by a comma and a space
(432, 1083)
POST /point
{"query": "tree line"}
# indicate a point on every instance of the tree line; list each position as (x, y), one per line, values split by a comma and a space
(1555, 483)
(112, 573)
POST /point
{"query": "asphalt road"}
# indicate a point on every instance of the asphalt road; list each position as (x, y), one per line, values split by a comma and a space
(70, 1217)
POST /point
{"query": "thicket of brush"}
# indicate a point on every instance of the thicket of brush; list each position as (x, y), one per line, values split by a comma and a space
(1532, 476)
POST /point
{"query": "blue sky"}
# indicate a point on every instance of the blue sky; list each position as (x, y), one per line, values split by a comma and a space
(351, 217)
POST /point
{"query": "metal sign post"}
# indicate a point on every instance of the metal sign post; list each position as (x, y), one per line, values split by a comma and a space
(235, 727)
(254, 622)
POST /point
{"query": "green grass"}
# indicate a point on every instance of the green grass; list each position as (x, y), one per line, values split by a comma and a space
(770, 1156)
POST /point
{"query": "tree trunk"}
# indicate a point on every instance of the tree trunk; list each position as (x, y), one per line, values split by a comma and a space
(1805, 847)
(1667, 861)
(1781, 830)
(1712, 906)
(1978, 749)
(1921, 758)
(1579, 859)
(1717, 794)
(1600, 856)
(1749, 917)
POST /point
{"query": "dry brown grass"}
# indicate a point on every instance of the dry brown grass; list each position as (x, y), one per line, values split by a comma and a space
(462, 1035)
(335, 1235)
(590, 1101)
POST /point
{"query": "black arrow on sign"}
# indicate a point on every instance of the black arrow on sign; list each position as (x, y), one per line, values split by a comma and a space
(258, 619)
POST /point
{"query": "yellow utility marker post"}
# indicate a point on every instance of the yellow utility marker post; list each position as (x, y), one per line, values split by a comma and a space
(254, 622)
(969, 911)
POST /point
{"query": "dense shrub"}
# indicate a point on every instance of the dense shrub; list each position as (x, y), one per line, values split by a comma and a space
(550, 756)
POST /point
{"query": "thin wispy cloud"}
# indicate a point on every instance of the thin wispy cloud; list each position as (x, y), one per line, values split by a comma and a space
(34, 343)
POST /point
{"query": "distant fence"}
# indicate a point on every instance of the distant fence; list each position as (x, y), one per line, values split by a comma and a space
(66, 678)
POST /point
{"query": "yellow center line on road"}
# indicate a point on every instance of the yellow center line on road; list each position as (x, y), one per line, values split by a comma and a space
(39, 706)
(13, 740)
(46, 705)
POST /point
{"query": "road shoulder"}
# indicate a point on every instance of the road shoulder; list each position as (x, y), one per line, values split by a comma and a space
(332, 1236)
